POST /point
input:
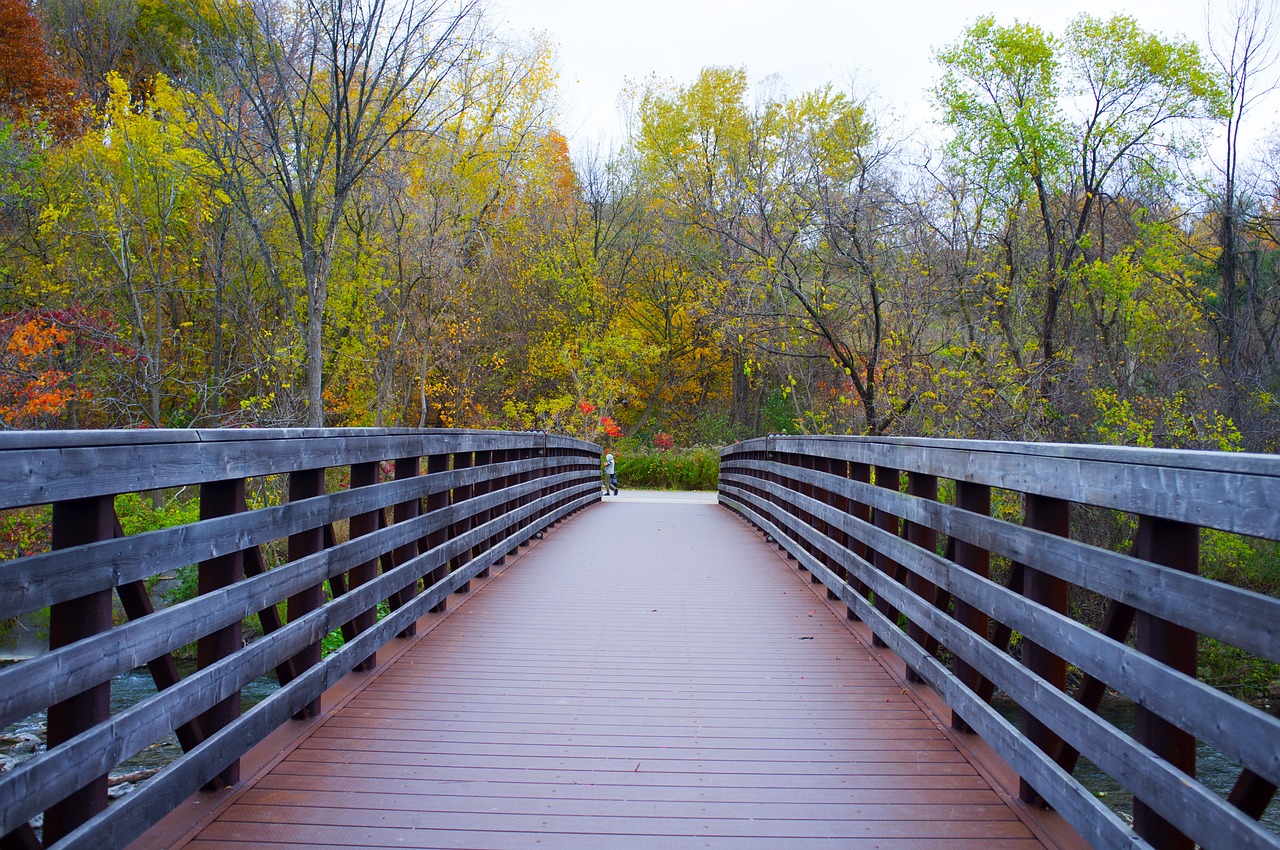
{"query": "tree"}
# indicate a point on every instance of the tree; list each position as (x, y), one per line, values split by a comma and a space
(1243, 46)
(331, 86)
(122, 221)
(1052, 129)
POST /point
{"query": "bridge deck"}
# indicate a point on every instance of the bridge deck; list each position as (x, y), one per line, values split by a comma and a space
(649, 676)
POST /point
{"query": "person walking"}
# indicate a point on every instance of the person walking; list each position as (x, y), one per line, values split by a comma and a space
(610, 470)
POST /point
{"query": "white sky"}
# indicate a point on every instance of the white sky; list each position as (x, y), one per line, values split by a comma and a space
(886, 46)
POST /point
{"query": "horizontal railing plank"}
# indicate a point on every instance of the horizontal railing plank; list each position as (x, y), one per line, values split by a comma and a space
(1238, 616)
(1233, 492)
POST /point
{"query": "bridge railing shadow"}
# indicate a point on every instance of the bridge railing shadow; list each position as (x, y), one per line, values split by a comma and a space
(308, 532)
(960, 557)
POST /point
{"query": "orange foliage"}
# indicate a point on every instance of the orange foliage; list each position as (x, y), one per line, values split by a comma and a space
(564, 179)
(32, 389)
(42, 355)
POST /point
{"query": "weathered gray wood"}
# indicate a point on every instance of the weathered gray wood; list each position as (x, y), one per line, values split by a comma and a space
(1235, 615)
(131, 815)
(1191, 807)
(43, 680)
(1229, 725)
(1225, 490)
(66, 467)
(51, 774)
(31, 583)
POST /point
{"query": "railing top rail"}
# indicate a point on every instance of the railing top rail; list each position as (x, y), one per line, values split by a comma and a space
(1228, 491)
(25, 440)
(1243, 462)
(47, 466)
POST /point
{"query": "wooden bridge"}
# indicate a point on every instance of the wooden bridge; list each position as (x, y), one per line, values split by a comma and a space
(813, 662)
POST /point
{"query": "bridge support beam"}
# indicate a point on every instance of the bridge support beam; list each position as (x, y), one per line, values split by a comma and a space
(221, 498)
(1054, 516)
(77, 522)
(888, 478)
(1175, 545)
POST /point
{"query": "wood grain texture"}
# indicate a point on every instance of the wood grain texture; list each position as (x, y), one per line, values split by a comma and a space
(650, 675)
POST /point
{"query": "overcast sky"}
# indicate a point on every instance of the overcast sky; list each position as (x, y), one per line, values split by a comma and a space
(886, 45)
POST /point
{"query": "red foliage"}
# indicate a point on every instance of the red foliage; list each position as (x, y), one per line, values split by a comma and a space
(663, 441)
(586, 407)
(610, 427)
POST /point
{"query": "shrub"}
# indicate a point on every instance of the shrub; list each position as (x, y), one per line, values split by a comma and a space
(697, 468)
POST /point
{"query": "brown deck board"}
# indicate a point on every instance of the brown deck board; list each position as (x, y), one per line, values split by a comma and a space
(649, 676)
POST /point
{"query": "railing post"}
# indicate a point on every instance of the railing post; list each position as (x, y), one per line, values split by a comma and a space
(810, 463)
(860, 472)
(975, 498)
(840, 503)
(1175, 545)
(922, 487)
(888, 478)
(221, 498)
(363, 475)
(306, 484)
(527, 454)
(461, 460)
(479, 489)
(75, 523)
(438, 501)
(1052, 516)
(405, 468)
(499, 456)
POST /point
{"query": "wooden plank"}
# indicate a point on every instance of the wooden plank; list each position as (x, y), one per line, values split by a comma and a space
(27, 584)
(973, 498)
(436, 502)
(521, 715)
(362, 475)
(1226, 490)
(221, 498)
(1052, 516)
(75, 523)
(1174, 545)
(36, 475)
(406, 468)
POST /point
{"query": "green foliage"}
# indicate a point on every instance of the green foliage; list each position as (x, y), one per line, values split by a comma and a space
(696, 468)
(1251, 564)
(25, 531)
(1240, 673)
(139, 512)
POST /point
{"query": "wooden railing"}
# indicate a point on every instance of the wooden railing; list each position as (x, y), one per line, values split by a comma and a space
(864, 517)
(333, 526)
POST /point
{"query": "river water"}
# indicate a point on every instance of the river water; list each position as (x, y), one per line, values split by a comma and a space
(1214, 770)
(20, 741)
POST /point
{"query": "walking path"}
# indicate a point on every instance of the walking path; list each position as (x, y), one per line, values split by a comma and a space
(651, 675)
